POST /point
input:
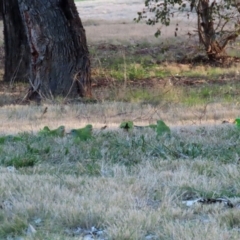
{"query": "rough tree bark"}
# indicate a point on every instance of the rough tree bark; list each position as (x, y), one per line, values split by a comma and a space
(15, 43)
(45, 44)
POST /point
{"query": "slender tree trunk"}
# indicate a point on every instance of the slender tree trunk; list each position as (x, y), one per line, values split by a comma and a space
(206, 30)
(207, 34)
(45, 44)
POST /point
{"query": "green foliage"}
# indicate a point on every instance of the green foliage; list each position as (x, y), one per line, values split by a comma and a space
(175, 148)
(155, 141)
(125, 152)
(11, 226)
(33, 150)
(29, 160)
(9, 138)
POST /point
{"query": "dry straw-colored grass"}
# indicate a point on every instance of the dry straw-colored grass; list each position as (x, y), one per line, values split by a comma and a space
(19, 118)
(127, 205)
(128, 190)
(131, 185)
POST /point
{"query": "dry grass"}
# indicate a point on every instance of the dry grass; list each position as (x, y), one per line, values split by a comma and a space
(131, 184)
(129, 187)
(20, 118)
(126, 206)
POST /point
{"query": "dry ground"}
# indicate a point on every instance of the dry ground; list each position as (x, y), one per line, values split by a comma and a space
(20, 118)
(109, 21)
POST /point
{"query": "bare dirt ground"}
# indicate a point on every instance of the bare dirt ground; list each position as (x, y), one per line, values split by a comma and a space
(111, 21)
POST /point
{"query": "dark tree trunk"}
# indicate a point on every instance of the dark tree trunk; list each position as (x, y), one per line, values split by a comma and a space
(45, 44)
(17, 52)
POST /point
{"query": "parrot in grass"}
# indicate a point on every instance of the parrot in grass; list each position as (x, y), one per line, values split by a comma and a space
(82, 134)
(58, 132)
(127, 125)
(237, 122)
(162, 128)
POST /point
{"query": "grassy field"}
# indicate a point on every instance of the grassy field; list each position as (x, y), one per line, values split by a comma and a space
(123, 184)
(112, 183)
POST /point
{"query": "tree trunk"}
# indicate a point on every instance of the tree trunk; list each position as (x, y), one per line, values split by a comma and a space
(17, 52)
(45, 44)
(206, 30)
(207, 34)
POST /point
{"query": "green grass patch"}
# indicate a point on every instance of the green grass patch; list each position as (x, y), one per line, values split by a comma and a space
(128, 147)
(140, 62)
(137, 74)
(12, 227)
(187, 95)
